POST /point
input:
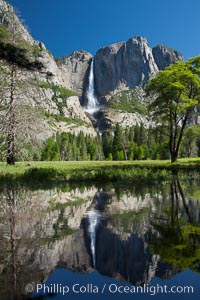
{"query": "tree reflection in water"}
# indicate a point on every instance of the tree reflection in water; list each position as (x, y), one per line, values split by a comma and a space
(178, 242)
(143, 231)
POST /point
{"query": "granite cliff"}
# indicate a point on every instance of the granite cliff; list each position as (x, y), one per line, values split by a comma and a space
(45, 85)
(124, 66)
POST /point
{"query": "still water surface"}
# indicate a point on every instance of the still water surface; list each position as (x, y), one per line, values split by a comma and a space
(95, 241)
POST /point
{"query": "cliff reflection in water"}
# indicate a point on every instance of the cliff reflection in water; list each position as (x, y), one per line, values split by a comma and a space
(138, 232)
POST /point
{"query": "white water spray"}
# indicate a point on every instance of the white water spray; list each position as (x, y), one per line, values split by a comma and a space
(93, 218)
(93, 104)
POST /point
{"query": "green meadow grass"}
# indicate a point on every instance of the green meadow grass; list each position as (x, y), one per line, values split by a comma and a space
(93, 170)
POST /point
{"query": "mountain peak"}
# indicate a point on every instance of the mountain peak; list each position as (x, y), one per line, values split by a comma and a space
(139, 39)
(125, 65)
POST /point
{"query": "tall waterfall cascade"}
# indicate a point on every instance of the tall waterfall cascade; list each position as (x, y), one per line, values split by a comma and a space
(93, 218)
(93, 104)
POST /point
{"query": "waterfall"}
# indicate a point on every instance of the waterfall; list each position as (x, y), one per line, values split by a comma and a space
(93, 218)
(93, 103)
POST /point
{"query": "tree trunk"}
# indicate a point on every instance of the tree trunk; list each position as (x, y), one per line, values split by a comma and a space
(10, 154)
(174, 156)
(172, 140)
(11, 120)
(181, 136)
(11, 204)
(190, 218)
(174, 147)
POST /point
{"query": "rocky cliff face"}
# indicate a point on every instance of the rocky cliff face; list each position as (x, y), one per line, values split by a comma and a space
(164, 56)
(129, 64)
(5, 19)
(75, 71)
(39, 77)
(121, 66)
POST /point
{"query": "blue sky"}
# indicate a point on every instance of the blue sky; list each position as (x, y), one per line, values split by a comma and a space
(68, 25)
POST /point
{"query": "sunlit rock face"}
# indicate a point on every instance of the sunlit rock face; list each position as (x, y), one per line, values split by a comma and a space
(129, 64)
(118, 67)
(164, 56)
(126, 64)
(75, 71)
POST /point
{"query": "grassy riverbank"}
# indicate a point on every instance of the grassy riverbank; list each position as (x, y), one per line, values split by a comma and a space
(93, 170)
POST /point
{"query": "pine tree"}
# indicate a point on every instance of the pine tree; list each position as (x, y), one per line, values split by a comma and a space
(131, 134)
(118, 143)
(107, 143)
(16, 119)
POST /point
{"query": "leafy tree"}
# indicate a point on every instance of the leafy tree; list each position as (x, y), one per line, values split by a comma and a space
(139, 152)
(82, 146)
(143, 135)
(92, 150)
(50, 151)
(177, 230)
(110, 157)
(131, 150)
(198, 146)
(131, 134)
(175, 92)
(67, 146)
(189, 140)
(118, 143)
(119, 155)
(137, 134)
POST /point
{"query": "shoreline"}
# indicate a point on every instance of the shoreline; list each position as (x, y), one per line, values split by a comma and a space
(67, 171)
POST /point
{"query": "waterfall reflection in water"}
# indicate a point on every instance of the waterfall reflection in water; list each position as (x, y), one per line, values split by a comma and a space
(135, 234)
(93, 219)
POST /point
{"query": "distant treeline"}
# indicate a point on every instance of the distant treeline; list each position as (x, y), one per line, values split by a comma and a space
(134, 143)
(67, 146)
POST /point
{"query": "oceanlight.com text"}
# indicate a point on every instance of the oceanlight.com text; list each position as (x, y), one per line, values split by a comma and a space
(113, 288)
